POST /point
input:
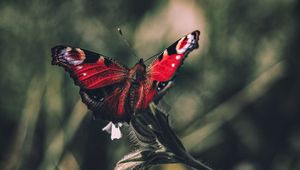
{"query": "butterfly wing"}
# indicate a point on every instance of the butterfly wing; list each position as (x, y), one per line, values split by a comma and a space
(88, 69)
(108, 102)
(162, 70)
(102, 81)
(164, 67)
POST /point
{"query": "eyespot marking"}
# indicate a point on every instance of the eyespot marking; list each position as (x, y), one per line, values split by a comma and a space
(81, 54)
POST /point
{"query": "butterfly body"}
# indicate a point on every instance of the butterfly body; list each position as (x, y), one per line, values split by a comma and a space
(114, 92)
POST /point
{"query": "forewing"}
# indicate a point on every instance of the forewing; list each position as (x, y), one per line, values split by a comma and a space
(89, 70)
(164, 67)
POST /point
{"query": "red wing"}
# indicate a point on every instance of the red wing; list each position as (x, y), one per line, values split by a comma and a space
(89, 70)
(109, 103)
(155, 91)
(164, 67)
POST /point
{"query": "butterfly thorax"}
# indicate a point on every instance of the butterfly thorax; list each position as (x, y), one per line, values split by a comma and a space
(138, 72)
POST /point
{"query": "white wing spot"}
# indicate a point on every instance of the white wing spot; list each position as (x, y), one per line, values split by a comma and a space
(178, 57)
(84, 74)
(79, 67)
(68, 49)
(173, 65)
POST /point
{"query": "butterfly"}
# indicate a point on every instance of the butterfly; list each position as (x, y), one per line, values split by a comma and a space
(113, 91)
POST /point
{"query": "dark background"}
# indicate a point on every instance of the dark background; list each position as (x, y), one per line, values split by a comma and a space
(235, 103)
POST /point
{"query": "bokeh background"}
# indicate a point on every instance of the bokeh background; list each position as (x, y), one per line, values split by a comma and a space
(235, 104)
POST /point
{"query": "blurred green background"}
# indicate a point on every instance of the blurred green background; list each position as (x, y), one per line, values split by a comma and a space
(235, 103)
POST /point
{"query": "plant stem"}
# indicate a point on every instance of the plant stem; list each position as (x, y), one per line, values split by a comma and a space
(194, 163)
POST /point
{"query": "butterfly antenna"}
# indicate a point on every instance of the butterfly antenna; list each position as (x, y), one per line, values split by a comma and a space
(152, 56)
(127, 43)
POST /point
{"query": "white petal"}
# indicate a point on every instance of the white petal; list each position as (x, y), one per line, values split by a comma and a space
(115, 132)
(108, 127)
(120, 124)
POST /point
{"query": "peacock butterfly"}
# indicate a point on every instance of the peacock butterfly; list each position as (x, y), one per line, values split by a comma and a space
(113, 91)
